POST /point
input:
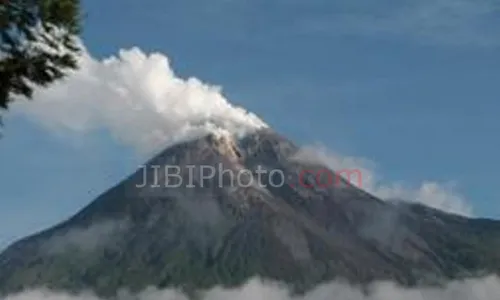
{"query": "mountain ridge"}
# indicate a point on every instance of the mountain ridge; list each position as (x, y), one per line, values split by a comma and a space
(216, 234)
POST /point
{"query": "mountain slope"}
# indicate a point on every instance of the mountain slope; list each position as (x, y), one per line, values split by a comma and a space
(219, 232)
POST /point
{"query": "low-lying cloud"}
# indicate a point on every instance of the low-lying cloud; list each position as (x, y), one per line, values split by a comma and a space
(442, 196)
(86, 239)
(487, 288)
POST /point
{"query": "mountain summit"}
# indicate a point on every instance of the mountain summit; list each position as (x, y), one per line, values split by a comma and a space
(171, 224)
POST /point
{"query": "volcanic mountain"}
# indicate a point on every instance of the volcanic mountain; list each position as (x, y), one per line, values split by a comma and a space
(205, 231)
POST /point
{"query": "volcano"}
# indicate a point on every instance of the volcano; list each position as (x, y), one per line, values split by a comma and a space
(206, 231)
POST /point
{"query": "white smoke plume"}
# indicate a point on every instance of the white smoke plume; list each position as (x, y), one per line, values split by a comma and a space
(139, 99)
(487, 288)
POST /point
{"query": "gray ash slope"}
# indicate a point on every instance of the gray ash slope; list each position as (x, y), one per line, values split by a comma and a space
(225, 234)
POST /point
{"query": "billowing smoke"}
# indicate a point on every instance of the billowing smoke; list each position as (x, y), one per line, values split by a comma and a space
(487, 288)
(138, 98)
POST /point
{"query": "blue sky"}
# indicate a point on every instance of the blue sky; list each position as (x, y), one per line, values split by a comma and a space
(412, 87)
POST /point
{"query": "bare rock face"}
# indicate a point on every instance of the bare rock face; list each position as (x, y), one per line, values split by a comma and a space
(204, 213)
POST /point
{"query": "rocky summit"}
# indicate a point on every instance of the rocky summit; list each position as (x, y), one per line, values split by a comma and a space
(171, 225)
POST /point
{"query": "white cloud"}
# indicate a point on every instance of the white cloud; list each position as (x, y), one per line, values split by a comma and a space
(487, 288)
(137, 98)
(86, 238)
(434, 194)
(436, 22)
(451, 22)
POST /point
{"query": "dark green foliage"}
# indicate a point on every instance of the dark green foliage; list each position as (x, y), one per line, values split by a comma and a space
(37, 44)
